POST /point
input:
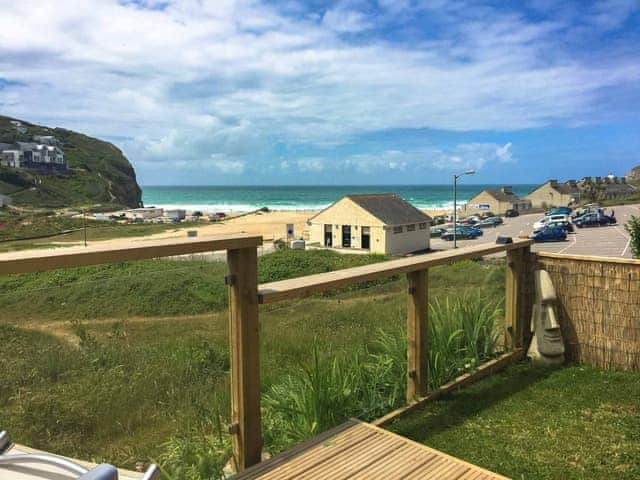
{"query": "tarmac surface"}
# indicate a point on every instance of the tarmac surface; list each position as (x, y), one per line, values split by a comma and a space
(609, 241)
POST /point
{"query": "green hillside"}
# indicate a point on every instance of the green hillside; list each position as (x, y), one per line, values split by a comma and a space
(98, 172)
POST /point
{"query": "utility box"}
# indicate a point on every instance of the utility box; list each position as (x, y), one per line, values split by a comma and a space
(297, 244)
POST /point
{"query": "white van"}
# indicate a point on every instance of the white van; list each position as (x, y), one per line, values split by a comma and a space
(540, 224)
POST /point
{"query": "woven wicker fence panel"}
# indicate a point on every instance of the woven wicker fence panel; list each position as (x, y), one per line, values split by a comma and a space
(599, 308)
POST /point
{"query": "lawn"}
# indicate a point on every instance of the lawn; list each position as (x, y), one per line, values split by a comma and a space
(129, 362)
(539, 423)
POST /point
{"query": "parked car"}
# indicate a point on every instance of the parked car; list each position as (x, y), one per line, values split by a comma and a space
(437, 231)
(221, 215)
(594, 220)
(511, 213)
(461, 233)
(489, 222)
(549, 234)
(567, 226)
(467, 221)
(558, 211)
(486, 223)
(476, 231)
(543, 222)
(586, 210)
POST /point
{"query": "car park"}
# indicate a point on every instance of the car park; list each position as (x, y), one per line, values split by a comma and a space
(462, 233)
(549, 234)
(594, 220)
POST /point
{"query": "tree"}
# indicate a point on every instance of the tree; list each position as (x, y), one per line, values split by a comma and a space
(633, 227)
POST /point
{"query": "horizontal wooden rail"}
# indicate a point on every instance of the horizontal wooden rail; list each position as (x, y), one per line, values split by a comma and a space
(484, 370)
(588, 258)
(305, 286)
(38, 261)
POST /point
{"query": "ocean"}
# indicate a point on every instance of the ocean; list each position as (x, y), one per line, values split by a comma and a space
(247, 198)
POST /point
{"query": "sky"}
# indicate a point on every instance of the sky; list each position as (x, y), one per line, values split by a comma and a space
(244, 92)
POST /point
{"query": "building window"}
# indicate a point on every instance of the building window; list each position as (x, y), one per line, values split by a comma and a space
(422, 226)
(411, 228)
(397, 229)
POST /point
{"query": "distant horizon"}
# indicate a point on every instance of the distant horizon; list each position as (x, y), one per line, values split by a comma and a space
(336, 185)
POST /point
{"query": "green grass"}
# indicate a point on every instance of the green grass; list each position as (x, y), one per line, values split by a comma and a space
(129, 362)
(17, 229)
(540, 423)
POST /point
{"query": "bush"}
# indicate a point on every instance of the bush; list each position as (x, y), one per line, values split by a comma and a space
(633, 227)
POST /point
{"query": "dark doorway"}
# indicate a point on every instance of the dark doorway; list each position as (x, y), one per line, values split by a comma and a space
(365, 241)
(328, 236)
(346, 236)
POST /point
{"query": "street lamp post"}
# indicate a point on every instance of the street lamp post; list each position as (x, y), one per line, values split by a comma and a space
(455, 206)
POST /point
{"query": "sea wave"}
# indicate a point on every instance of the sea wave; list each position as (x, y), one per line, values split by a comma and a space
(249, 207)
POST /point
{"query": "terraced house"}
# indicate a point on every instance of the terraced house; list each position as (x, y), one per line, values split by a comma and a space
(32, 155)
(497, 201)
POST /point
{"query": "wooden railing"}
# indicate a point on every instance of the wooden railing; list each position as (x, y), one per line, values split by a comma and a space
(245, 295)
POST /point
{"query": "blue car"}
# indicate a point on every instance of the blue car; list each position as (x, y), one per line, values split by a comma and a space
(550, 234)
(558, 211)
(476, 232)
(462, 233)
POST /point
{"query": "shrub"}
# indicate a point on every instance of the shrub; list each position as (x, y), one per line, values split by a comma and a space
(633, 227)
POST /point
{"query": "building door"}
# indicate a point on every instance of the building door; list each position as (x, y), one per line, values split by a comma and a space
(346, 236)
(365, 241)
(328, 236)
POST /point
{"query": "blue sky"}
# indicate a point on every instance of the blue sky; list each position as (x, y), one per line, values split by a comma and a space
(349, 91)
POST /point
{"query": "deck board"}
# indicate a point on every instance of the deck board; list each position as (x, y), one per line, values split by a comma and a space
(359, 451)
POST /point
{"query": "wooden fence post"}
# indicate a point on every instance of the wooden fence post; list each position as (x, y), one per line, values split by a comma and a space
(245, 362)
(514, 324)
(417, 318)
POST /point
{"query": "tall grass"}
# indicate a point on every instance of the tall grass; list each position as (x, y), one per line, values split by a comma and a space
(462, 333)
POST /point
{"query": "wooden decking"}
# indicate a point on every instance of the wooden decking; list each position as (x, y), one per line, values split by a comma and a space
(358, 450)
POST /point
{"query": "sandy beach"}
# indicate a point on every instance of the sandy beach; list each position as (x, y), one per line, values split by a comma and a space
(270, 225)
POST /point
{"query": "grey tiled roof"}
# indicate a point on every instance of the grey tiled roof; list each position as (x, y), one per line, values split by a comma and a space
(566, 189)
(503, 196)
(389, 208)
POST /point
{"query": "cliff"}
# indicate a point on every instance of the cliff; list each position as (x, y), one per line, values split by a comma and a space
(98, 173)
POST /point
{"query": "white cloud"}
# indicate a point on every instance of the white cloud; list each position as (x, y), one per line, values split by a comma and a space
(226, 166)
(344, 19)
(312, 164)
(190, 79)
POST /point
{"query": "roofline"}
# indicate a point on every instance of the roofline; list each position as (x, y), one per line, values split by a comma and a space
(374, 216)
